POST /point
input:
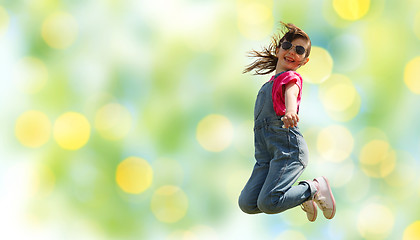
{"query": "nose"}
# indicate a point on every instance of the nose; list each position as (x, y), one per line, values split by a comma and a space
(291, 52)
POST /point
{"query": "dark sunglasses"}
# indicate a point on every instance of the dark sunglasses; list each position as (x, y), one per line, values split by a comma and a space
(298, 49)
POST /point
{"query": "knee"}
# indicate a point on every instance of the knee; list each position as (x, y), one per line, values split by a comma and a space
(247, 206)
(266, 205)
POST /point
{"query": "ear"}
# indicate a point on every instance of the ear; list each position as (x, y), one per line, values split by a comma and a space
(277, 50)
(305, 61)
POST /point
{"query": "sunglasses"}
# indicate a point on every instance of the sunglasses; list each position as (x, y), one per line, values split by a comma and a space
(298, 49)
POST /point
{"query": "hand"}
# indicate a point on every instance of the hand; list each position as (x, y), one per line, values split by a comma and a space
(290, 119)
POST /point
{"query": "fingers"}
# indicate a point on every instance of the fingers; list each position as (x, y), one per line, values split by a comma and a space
(290, 120)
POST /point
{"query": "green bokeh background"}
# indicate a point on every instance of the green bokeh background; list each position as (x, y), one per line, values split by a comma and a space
(173, 63)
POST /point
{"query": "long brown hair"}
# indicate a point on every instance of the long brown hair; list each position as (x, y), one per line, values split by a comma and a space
(266, 61)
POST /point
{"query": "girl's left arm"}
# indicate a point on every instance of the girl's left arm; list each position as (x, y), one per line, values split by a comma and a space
(291, 93)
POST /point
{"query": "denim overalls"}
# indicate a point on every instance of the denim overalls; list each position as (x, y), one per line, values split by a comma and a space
(281, 156)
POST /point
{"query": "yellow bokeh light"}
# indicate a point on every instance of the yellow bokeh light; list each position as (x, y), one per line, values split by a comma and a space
(375, 221)
(412, 232)
(33, 129)
(31, 75)
(340, 98)
(351, 9)
(113, 121)
(59, 30)
(411, 75)
(255, 19)
(214, 133)
(134, 175)
(71, 130)
(335, 143)
(342, 94)
(4, 20)
(377, 159)
(319, 67)
(169, 204)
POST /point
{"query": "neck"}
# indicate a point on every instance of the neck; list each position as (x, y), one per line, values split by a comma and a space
(279, 70)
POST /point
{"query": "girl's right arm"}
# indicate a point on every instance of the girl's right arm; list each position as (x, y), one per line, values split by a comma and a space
(291, 93)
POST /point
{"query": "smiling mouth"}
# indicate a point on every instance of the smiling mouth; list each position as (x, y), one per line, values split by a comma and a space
(289, 59)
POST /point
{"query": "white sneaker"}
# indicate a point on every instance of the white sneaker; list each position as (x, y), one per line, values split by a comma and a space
(310, 208)
(324, 197)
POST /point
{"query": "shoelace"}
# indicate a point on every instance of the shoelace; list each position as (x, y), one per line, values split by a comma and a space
(323, 204)
(321, 201)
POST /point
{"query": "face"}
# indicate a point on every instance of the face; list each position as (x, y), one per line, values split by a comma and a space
(290, 59)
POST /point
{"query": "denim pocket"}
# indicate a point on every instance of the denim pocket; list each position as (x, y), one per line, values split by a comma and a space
(277, 128)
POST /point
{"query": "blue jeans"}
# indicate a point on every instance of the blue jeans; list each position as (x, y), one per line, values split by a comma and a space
(281, 156)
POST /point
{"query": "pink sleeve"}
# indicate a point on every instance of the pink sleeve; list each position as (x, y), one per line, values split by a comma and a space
(278, 89)
(287, 77)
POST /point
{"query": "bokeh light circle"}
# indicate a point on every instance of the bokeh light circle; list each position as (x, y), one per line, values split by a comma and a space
(71, 130)
(134, 175)
(412, 232)
(113, 121)
(339, 97)
(411, 75)
(59, 30)
(351, 9)
(375, 221)
(169, 204)
(31, 75)
(33, 129)
(255, 19)
(214, 133)
(319, 67)
(4, 20)
(335, 143)
(377, 159)
(343, 95)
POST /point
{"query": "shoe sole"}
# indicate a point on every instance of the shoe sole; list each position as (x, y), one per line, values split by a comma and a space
(315, 212)
(314, 207)
(332, 198)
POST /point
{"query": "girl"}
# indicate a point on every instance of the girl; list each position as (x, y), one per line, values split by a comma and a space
(280, 150)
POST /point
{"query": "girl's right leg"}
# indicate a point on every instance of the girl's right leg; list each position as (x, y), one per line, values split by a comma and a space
(249, 195)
